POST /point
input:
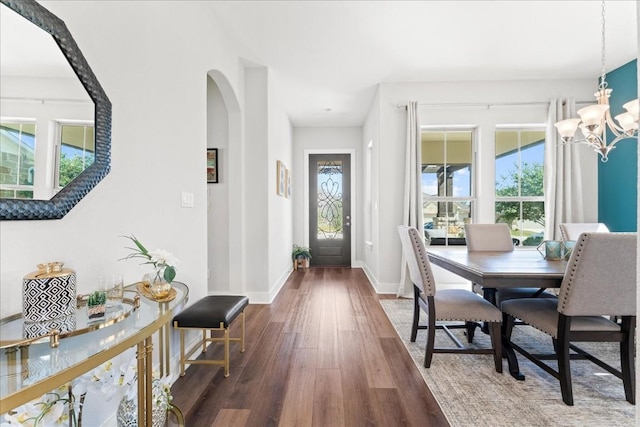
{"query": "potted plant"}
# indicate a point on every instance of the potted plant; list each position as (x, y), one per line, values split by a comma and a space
(158, 283)
(96, 304)
(301, 256)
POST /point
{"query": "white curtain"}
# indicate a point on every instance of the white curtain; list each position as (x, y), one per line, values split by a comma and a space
(562, 173)
(412, 214)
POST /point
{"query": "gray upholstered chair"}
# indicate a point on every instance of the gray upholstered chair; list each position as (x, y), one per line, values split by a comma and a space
(600, 281)
(497, 238)
(571, 230)
(446, 305)
(488, 237)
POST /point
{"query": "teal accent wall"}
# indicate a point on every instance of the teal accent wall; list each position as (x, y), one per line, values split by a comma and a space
(618, 178)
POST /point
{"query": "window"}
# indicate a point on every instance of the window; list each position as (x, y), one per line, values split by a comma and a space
(17, 159)
(447, 185)
(77, 151)
(519, 183)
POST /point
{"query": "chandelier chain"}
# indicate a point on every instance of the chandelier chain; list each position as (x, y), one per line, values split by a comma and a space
(603, 82)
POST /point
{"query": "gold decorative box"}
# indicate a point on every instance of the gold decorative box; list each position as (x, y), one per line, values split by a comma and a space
(49, 293)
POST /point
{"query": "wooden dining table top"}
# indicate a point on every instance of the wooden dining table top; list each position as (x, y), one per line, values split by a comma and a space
(518, 268)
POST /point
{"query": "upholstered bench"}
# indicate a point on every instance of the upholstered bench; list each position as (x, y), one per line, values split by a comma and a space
(213, 313)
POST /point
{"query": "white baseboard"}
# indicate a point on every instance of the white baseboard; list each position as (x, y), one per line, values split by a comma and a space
(379, 287)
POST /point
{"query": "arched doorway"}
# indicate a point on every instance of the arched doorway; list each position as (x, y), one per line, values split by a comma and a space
(225, 238)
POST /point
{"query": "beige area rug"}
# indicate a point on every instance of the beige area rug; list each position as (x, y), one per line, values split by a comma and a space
(472, 393)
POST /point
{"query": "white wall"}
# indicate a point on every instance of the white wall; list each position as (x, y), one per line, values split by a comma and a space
(156, 81)
(153, 60)
(256, 164)
(390, 152)
(279, 226)
(371, 212)
(268, 216)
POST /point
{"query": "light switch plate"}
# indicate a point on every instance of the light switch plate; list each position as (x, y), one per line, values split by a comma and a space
(187, 200)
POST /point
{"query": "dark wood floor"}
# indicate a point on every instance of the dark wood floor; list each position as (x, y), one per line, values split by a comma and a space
(323, 354)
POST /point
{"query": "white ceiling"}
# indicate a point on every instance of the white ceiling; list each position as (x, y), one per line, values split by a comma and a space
(27, 50)
(331, 54)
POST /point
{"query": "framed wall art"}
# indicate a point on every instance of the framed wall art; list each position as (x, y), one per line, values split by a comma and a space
(281, 179)
(287, 184)
(212, 166)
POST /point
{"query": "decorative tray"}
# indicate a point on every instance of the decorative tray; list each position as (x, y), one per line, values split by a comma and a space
(16, 332)
(144, 290)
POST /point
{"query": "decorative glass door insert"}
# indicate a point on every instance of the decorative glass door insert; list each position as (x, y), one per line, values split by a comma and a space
(329, 209)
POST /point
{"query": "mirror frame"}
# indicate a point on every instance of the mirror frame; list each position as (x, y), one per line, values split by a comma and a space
(60, 204)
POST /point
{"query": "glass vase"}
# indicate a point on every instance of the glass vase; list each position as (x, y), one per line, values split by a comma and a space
(127, 415)
(158, 287)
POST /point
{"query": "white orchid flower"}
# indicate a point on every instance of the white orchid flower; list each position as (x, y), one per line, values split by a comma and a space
(82, 383)
(56, 415)
(164, 386)
(23, 415)
(163, 258)
(94, 380)
(163, 261)
(50, 410)
(132, 391)
(128, 372)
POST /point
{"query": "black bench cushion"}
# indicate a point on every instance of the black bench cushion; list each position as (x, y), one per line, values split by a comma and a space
(211, 310)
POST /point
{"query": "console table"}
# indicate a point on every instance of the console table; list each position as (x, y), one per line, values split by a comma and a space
(31, 367)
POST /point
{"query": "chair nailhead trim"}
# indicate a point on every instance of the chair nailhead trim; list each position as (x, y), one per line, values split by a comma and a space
(571, 276)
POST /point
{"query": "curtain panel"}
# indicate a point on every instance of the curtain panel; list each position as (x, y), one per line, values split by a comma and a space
(412, 214)
(563, 198)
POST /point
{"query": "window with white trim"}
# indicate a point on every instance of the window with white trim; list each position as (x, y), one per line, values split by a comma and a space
(76, 151)
(17, 158)
(519, 197)
(447, 184)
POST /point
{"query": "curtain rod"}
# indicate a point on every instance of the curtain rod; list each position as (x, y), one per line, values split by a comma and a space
(487, 104)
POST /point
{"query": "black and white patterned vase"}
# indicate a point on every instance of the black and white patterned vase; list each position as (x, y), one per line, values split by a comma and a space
(49, 293)
(63, 325)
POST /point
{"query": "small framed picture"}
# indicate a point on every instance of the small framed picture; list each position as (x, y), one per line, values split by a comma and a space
(212, 165)
(288, 184)
(281, 179)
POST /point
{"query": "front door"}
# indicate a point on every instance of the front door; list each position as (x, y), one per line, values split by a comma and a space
(330, 209)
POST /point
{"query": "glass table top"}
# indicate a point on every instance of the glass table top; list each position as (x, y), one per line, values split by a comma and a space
(23, 365)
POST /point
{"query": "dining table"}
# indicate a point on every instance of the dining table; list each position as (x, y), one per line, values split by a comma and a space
(522, 267)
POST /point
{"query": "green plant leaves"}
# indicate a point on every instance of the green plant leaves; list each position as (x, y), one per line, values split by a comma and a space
(169, 274)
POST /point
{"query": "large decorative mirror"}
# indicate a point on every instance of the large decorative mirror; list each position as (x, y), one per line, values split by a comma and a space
(55, 137)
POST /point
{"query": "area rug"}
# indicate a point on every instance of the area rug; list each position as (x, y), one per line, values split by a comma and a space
(472, 393)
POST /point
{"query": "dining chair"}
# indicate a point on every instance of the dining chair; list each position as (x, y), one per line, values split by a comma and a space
(571, 230)
(449, 305)
(600, 281)
(497, 238)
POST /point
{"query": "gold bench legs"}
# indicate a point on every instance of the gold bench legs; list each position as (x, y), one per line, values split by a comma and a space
(225, 339)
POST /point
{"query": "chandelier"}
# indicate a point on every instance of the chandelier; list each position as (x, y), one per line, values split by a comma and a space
(594, 119)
